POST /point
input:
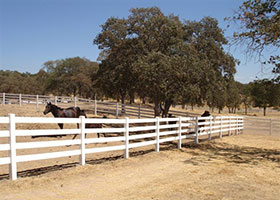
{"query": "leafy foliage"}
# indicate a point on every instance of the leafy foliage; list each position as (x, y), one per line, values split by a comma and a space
(159, 57)
(25, 83)
(71, 76)
(265, 94)
(260, 28)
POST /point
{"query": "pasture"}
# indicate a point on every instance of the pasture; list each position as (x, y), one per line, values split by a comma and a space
(245, 166)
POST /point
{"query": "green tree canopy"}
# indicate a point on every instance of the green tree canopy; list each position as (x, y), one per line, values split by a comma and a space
(260, 28)
(71, 76)
(265, 94)
(159, 57)
(218, 66)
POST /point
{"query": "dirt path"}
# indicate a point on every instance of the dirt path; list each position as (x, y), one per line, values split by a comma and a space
(237, 167)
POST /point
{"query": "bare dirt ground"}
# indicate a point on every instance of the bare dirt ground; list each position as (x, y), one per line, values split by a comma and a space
(236, 167)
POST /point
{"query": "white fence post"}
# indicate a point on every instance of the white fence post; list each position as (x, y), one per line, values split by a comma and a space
(95, 107)
(55, 100)
(126, 127)
(196, 130)
(236, 126)
(82, 138)
(75, 101)
(19, 99)
(37, 102)
(3, 102)
(221, 133)
(12, 152)
(157, 134)
(210, 135)
(117, 110)
(241, 125)
(229, 132)
(139, 111)
(180, 133)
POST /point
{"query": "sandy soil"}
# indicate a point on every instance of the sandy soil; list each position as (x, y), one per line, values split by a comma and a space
(236, 167)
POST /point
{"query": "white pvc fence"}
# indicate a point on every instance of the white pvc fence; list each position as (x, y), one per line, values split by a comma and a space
(9, 98)
(131, 133)
(262, 126)
(117, 109)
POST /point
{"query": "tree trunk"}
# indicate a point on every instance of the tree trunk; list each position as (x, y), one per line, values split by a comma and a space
(131, 98)
(157, 109)
(264, 111)
(144, 101)
(123, 106)
(167, 105)
(246, 109)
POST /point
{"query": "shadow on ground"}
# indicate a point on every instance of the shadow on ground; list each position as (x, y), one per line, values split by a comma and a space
(202, 153)
(213, 151)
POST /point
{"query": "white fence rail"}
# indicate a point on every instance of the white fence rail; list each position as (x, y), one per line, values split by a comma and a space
(116, 109)
(267, 126)
(131, 133)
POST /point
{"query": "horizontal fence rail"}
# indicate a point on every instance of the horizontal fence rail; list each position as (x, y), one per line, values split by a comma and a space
(128, 134)
(97, 107)
(263, 125)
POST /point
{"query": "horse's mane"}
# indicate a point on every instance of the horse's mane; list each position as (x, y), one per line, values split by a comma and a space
(59, 108)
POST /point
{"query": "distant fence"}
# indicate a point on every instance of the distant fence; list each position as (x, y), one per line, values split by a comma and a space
(131, 133)
(262, 125)
(101, 107)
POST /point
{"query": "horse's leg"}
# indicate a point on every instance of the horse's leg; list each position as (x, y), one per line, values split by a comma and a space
(61, 127)
(78, 126)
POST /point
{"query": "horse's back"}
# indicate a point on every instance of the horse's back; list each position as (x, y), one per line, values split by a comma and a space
(73, 112)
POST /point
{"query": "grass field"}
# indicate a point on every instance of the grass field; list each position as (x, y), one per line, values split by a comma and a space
(245, 166)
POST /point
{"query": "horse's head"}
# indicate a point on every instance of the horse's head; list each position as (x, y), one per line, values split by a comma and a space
(48, 108)
(82, 113)
(206, 114)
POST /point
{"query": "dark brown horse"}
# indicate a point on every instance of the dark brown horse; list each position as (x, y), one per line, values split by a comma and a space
(91, 125)
(72, 112)
(205, 114)
(171, 122)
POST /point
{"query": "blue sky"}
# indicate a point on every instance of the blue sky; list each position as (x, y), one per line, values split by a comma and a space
(35, 31)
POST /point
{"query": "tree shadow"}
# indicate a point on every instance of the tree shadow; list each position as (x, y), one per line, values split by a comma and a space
(204, 152)
(53, 168)
(211, 151)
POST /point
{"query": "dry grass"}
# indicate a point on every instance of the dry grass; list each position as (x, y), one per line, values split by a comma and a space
(236, 167)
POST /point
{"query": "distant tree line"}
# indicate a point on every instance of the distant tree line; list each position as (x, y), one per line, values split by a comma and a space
(155, 58)
(71, 77)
